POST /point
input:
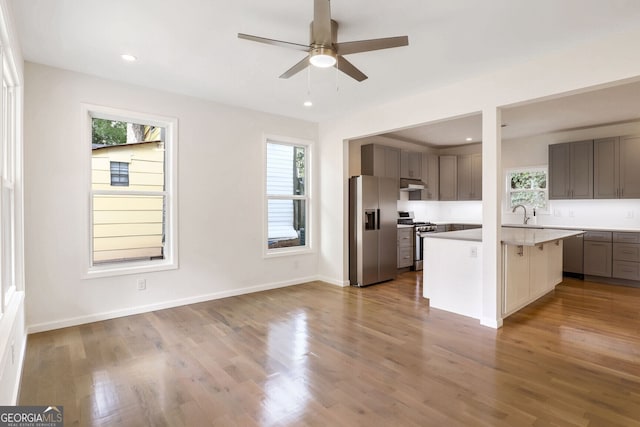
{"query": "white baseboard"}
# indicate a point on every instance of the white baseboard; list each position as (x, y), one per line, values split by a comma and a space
(80, 320)
(16, 387)
(491, 323)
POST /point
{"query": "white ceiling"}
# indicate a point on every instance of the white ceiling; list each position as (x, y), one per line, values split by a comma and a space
(191, 46)
(612, 105)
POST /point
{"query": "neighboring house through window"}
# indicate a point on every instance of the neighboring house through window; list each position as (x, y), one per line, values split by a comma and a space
(132, 204)
(287, 194)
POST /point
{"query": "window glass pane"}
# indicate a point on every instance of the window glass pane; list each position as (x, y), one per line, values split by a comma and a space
(130, 150)
(533, 198)
(285, 169)
(528, 180)
(286, 223)
(128, 227)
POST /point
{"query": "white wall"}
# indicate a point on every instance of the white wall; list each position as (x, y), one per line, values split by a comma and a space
(558, 72)
(220, 181)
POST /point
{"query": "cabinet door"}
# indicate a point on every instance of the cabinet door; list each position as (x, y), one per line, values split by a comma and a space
(516, 281)
(448, 177)
(476, 177)
(464, 178)
(630, 167)
(391, 163)
(554, 262)
(430, 176)
(410, 164)
(597, 258)
(538, 270)
(572, 255)
(558, 171)
(605, 168)
(581, 170)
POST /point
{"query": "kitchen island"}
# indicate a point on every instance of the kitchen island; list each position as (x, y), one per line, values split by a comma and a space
(531, 267)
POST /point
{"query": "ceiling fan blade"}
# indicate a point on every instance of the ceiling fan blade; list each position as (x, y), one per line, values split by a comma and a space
(349, 69)
(289, 45)
(296, 68)
(321, 25)
(372, 44)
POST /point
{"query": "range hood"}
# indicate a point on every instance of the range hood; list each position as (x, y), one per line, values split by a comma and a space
(411, 184)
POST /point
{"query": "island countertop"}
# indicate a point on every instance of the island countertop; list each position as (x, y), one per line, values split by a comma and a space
(510, 236)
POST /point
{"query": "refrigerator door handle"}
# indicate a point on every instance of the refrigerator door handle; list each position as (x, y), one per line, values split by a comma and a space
(378, 215)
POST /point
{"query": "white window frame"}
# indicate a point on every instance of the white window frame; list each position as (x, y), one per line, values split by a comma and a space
(170, 253)
(507, 208)
(9, 169)
(308, 246)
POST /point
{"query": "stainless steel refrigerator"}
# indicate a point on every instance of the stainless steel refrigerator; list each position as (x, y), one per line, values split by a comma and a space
(373, 230)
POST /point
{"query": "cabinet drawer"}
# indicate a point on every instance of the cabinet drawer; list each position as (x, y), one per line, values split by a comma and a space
(626, 252)
(405, 238)
(626, 270)
(621, 237)
(405, 257)
(598, 236)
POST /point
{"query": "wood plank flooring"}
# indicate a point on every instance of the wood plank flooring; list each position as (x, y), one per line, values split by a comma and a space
(319, 355)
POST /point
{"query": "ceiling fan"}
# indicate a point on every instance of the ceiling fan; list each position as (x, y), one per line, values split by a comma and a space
(324, 49)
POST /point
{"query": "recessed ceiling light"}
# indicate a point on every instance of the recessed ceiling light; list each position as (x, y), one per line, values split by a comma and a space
(469, 139)
(127, 57)
(308, 103)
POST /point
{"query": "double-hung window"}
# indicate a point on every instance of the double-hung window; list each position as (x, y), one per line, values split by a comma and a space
(132, 192)
(528, 187)
(287, 196)
(9, 151)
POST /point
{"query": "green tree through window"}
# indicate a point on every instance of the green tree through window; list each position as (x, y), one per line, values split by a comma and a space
(528, 187)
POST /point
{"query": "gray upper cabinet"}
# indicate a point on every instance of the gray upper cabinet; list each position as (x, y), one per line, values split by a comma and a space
(571, 170)
(410, 165)
(448, 177)
(616, 171)
(469, 177)
(379, 160)
(430, 176)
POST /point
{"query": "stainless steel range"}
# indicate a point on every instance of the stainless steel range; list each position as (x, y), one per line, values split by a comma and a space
(419, 228)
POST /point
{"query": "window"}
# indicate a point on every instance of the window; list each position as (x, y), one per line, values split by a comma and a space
(119, 174)
(287, 195)
(528, 187)
(8, 172)
(132, 192)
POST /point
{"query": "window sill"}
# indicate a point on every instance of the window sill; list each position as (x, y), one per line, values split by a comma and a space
(129, 268)
(274, 253)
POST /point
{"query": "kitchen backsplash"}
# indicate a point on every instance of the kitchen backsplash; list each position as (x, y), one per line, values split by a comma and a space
(586, 213)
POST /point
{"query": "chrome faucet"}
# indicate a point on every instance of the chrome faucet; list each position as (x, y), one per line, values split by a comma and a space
(526, 218)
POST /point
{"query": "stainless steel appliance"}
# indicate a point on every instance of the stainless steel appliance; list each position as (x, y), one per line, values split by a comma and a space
(372, 229)
(420, 229)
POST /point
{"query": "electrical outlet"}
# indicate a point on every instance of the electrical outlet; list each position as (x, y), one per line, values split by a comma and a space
(142, 284)
(629, 214)
(571, 214)
(556, 212)
(474, 252)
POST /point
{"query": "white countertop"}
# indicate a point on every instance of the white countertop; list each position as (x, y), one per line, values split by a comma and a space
(510, 235)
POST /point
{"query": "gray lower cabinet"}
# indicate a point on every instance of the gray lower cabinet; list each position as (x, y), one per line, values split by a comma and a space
(616, 174)
(573, 255)
(626, 256)
(405, 247)
(571, 170)
(448, 177)
(598, 253)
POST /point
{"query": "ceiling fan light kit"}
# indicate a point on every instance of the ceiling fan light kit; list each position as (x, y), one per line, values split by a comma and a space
(324, 50)
(322, 57)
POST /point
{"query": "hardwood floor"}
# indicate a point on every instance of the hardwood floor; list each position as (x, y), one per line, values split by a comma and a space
(316, 355)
